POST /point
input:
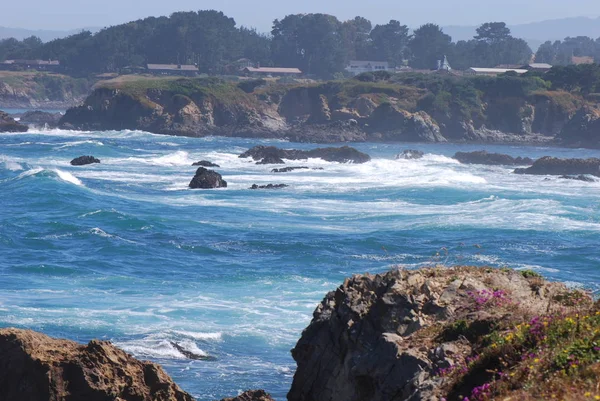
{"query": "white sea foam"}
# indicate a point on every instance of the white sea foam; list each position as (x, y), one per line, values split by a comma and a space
(68, 177)
(12, 165)
(77, 143)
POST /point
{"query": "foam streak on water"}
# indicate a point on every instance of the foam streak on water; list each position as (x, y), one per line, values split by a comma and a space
(124, 251)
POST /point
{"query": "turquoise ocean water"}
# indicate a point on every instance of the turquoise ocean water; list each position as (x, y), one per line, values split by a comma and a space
(123, 251)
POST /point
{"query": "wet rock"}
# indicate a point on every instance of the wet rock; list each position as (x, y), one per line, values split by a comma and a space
(410, 154)
(205, 163)
(268, 186)
(41, 118)
(206, 179)
(271, 159)
(191, 355)
(36, 367)
(580, 177)
(251, 395)
(344, 154)
(83, 160)
(483, 157)
(548, 165)
(8, 124)
(287, 169)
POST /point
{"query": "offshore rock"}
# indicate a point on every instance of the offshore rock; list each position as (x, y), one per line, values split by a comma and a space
(483, 157)
(548, 165)
(344, 154)
(288, 169)
(580, 177)
(251, 395)
(410, 154)
(271, 159)
(36, 367)
(207, 179)
(83, 160)
(8, 124)
(268, 186)
(41, 118)
(205, 163)
(384, 337)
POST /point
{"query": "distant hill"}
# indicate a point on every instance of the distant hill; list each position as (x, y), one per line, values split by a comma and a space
(45, 35)
(536, 33)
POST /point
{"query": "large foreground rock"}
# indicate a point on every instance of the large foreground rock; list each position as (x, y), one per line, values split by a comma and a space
(483, 157)
(344, 154)
(35, 367)
(8, 124)
(384, 337)
(206, 179)
(548, 165)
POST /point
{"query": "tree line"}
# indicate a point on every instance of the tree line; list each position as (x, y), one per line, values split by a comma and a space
(319, 44)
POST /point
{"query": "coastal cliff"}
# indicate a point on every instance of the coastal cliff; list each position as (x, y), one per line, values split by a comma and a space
(421, 109)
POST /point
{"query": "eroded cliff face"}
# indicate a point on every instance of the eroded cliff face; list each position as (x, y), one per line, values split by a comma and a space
(335, 112)
(36, 367)
(387, 337)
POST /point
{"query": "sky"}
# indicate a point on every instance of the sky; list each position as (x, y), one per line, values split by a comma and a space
(75, 14)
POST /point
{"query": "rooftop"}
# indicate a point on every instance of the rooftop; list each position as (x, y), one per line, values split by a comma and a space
(173, 67)
(273, 70)
(497, 70)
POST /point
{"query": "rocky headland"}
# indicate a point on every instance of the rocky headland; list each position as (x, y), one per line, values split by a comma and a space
(402, 108)
(440, 333)
(549, 165)
(8, 124)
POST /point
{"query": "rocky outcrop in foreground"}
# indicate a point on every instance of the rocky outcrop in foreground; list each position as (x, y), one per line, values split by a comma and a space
(483, 157)
(344, 154)
(207, 179)
(8, 124)
(83, 160)
(251, 395)
(34, 366)
(549, 165)
(415, 335)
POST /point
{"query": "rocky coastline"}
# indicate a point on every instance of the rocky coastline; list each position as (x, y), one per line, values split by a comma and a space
(438, 333)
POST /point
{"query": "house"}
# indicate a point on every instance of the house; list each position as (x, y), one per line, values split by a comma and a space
(444, 65)
(40, 65)
(173, 69)
(493, 71)
(270, 71)
(582, 60)
(358, 67)
(542, 67)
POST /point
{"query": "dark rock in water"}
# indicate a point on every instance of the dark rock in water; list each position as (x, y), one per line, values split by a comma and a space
(271, 159)
(8, 124)
(191, 355)
(287, 169)
(83, 160)
(251, 395)
(410, 154)
(385, 337)
(37, 117)
(207, 179)
(548, 165)
(580, 177)
(205, 163)
(344, 154)
(36, 367)
(268, 186)
(493, 159)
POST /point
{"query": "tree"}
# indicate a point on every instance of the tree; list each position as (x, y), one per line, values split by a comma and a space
(546, 53)
(428, 45)
(389, 42)
(493, 32)
(357, 43)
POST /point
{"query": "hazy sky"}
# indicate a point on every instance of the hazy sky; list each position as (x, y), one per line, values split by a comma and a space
(73, 14)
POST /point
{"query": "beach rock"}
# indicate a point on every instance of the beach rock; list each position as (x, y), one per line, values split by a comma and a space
(549, 165)
(384, 337)
(8, 124)
(251, 395)
(344, 154)
(580, 177)
(36, 367)
(271, 159)
(205, 163)
(206, 179)
(287, 169)
(410, 154)
(83, 160)
(41, 118)
(268, 186)
(483, 157)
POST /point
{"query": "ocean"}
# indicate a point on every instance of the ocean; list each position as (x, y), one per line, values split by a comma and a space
(124, 251)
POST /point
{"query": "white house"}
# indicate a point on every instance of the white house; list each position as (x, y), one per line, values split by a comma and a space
(358, 67)
(493, 71)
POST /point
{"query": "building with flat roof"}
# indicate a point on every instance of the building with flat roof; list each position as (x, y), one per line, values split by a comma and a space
(537, 67)
(493, 71)
(40, 65)
(272, 71)
(358, 67)
(173, 69)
